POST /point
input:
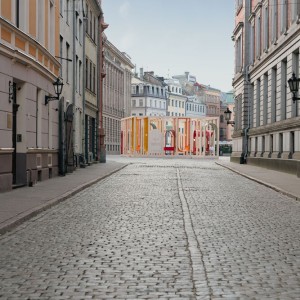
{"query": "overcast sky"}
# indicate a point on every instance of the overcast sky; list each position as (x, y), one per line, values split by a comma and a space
(171, 37)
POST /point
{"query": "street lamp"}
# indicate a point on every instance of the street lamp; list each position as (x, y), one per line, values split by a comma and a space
(294, 86)
(227, 114)
(58, 85)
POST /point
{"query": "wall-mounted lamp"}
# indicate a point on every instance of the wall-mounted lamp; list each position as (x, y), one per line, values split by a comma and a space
(58, 86)
(227, 114)
(294, 86)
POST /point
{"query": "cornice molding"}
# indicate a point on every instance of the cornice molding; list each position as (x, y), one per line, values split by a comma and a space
(275, 127)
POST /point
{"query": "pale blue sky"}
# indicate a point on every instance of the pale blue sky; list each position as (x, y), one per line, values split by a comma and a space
(171, 37)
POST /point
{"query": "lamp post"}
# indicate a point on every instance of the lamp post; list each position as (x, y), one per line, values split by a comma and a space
(227, 114)
(294, 86)
(58, 86)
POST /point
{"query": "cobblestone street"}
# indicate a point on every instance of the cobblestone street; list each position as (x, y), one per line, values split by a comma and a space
(159, 229)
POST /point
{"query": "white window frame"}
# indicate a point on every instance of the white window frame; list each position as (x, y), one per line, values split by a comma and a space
(266, 28)
(274, 21)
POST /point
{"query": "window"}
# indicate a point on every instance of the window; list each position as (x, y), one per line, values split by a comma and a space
(141, 102)
(94, 31)
(295, 10)
(41, 21)
(238, 55)
(265, 104)
(87, 19)
(79, 75)
(80, 31)
(76, 28)
(266, 28)
(284, 16)
(91, 76)
(258, 37)
(283, 89)
(91, 24)
(133, 103)
(94, 78)
(141, 89)
(67, 10)
(273, 95)
(61, 9)
(258, 103)
(86, 73)
(274, 20)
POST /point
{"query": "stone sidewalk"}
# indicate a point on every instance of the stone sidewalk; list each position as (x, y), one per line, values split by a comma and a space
(21, 204)
(284, 183)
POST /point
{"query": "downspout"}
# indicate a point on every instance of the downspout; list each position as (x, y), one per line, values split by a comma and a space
(74, 80)
(98, 128)
(102, 149)
(246, 130)
(83, 84)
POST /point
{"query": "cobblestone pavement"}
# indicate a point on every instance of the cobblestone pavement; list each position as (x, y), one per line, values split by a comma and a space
(159, 229)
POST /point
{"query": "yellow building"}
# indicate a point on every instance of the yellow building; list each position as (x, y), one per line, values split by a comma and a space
(29, 44)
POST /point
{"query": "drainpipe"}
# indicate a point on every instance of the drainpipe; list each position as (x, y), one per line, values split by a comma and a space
(102, 149)
(74, 79)
(246, 130)
(83, 85)
(98, 128)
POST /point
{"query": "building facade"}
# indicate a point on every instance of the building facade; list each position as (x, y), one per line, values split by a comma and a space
(267, 122)
(116, 94)
(176, 101)
(72, 33)
(91, 91)
(148, 95)
(212, 99)
(29, 45)
(227, 101)
(195, 107)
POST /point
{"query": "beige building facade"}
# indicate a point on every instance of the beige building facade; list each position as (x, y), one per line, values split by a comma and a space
(29, 44)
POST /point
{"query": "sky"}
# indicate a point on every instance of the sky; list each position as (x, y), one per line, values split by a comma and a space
(171, 37)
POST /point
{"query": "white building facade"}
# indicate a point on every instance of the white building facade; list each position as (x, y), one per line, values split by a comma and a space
(195, 107)
(175, 99)
(148, 95)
